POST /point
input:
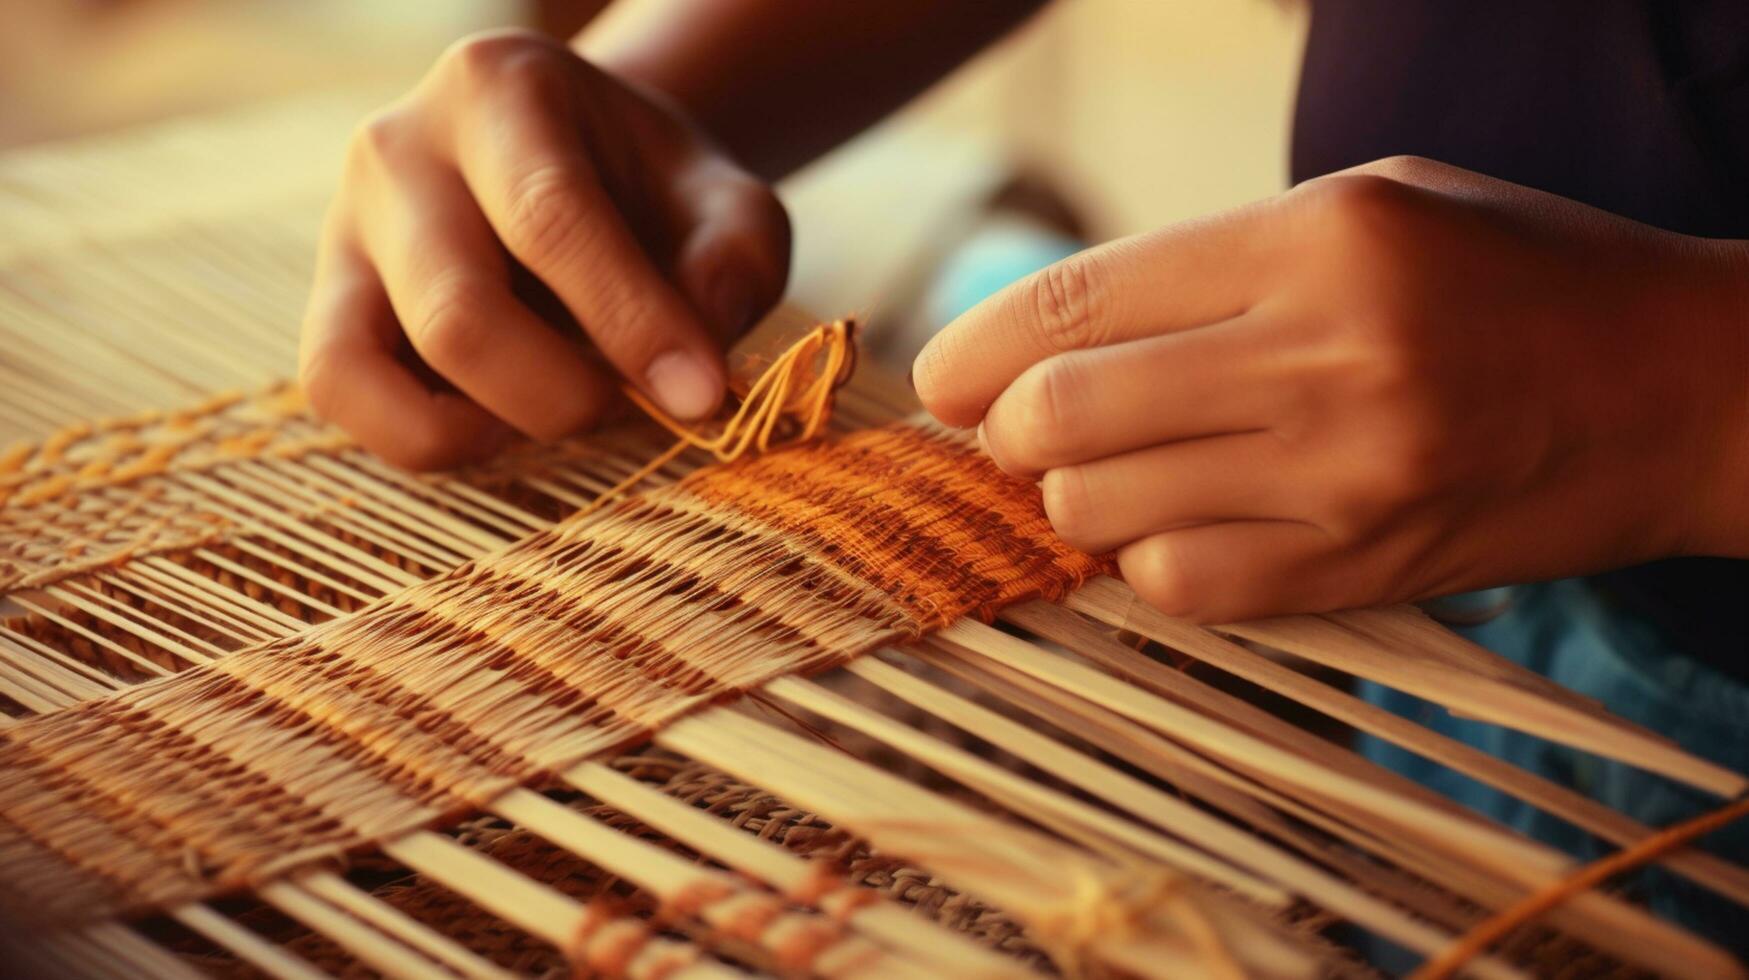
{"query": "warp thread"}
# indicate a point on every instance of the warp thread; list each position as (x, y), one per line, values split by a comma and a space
(572, 641)
(1526, 910)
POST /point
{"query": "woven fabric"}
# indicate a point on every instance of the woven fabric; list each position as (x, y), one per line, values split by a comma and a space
(572, 642)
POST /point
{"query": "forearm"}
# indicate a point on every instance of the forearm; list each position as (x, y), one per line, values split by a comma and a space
(1722, 367)
(780, 82)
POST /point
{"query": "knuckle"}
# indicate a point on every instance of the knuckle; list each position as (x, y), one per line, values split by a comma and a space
(1068, 505)
(422, 446)
(544, 222)
(1401, 465)
(1362, 209)
(319, 378)
(1409, 462)
(772, 236)
(1063, 300)
(626, 328)
(1049, 396)
(1157, 571)
(1404, 168)
(483, 58)
(453, 329)
(380, 139)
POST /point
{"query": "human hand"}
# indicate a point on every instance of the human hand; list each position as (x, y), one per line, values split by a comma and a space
(1401, 381)
(510, 235)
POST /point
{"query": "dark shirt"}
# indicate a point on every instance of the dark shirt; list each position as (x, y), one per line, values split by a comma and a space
(1640, 108)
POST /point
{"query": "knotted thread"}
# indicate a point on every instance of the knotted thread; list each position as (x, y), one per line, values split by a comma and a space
(585, 637)
(789, 403)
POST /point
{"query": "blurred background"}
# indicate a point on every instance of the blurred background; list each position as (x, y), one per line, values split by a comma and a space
(1114, 115)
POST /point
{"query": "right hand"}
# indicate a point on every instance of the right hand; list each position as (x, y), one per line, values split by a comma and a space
(510, 235)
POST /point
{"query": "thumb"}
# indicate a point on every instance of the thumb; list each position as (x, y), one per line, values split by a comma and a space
(733, 253)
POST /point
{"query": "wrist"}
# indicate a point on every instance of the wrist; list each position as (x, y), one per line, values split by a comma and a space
(1720, 511)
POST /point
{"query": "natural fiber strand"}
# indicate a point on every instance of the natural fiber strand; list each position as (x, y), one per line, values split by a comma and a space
(1493, 929)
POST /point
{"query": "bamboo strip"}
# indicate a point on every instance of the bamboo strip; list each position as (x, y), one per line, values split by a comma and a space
(949, 951)
(719, 900)
(139, 954)
(165, 636)
(393, 922)
(1327, 642)
(243, 571)
(1622, 929)
(1184, 689)
(1046, 884)
(1018, 794)
(157, 629)
(527, 904)
(486, 502)
(20, 641)
(246, 945)
(68, 684)
(1165, 811)
(145, 581)
(150, 668)
(433, 532)
(337, 513)
(462, 536)
(350, 934)
(444, 496)
(513, 897)
(303, 571)
(1246, 801)
(1723, 877)
(381, 574)
(265, 615)
(27, 690)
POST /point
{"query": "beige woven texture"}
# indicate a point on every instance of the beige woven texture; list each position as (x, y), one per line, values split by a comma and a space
(1089, 788)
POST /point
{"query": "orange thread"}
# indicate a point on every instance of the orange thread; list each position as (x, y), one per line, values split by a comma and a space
(746, 916)
(605, 943)
(797, 387)
(1492, 930)
(802, 942)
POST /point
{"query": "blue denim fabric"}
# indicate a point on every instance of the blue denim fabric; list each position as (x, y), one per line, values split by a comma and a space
(1566, 632)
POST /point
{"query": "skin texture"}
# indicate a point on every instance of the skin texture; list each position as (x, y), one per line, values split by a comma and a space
(1400, 381)
(515, 203)
(526, 231)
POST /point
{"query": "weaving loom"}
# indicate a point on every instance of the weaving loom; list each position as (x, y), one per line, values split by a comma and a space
(841, 709)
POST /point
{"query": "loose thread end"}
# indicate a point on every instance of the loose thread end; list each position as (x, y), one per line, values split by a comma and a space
(788, 404)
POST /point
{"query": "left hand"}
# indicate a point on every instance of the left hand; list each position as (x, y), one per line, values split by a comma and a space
(1399, 381)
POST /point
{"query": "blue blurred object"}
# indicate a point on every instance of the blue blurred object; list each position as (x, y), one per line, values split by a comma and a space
(1000, 252)
(1563, 630)
(1568, 633)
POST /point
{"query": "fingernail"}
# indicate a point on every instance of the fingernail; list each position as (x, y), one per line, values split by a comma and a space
(732, 302)
(683, 384)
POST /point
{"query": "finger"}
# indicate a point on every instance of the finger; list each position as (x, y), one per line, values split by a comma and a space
(1183, 276)
(1090, 404)
(733, 256)
(1239, 570)
(450, 286)
(1111, 502)
(528, 166)
(350, 371)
